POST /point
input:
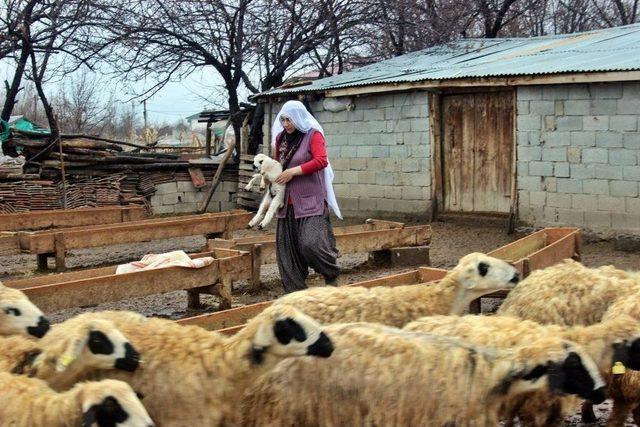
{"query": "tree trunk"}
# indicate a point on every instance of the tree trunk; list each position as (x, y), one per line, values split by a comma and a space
(12, 91)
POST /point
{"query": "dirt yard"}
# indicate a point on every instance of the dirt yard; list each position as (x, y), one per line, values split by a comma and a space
(449, 242)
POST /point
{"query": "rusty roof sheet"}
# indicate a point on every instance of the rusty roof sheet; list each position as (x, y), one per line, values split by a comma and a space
(611, 49)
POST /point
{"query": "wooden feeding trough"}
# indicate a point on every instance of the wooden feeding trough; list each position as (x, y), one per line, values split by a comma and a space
(89, 287)
(40, 220)
(537, 250)
(375, 236)
(56, 242)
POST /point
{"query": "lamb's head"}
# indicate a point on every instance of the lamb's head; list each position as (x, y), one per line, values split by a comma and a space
(82, 344)
(478, 274)
(265, 164)
(284, 331)
(111, 403)
(562, 366)
(18, 315)
(626, 348)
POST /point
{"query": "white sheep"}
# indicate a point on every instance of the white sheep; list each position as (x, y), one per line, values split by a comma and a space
(18, 315)
(475, 275)
(273, 199)
(190, 376)
(70, 351)
(568, 293)
(29, 402)
(382, 376)
(616, 340)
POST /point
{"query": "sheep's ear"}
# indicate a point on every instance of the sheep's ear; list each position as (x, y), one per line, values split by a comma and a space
(89, 417)
(288, 329)
(71, 352)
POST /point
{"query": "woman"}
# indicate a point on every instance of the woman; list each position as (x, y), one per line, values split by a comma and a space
(304, 237)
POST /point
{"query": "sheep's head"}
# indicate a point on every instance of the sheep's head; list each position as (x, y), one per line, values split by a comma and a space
(478, 274)
(626, 348)
(263, 164)
(563, 367)
(81, 343)
(285, 331)
(111, 403)
(18, 315)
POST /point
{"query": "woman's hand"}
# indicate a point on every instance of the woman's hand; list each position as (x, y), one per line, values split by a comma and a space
(288, 174)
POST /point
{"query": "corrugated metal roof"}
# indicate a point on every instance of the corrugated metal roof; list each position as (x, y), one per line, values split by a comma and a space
(611, 49)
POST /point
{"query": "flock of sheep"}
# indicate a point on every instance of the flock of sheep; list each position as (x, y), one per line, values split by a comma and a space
(386, 356)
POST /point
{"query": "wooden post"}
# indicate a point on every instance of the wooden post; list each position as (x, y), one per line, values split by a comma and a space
(225, 289)
(193, 299)
(64, 178)
(217, 177)
(42, 262)
(60, 251)
(256, 262)
(208, 140)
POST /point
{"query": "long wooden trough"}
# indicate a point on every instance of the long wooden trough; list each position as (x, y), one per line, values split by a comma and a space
(88, 287)
(39, 220)
(56, 242)
(537, 250)
(373, 236)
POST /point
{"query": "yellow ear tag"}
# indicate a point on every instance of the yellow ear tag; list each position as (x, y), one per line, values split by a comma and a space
(618, 368)
(64, 361)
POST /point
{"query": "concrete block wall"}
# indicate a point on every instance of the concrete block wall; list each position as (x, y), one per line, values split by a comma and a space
(179, 197)
(578, 149)
(380, 153)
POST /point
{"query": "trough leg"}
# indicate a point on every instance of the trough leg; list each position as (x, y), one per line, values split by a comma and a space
(224, 289)
(475, 306)
(42, 262)
(256, 263)
(588, 416)
(381, 258)
(61, 251)
(193, 299)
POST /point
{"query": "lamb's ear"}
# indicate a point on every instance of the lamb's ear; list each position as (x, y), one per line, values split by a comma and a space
(89, 417)
(72, 351)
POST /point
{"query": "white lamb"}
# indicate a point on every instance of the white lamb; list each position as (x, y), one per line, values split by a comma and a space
(69, 352)
(193, 377)
(18, 315)
(616, 340)
(475, 275)
(273, 199)
(382, 376)
(29, 402)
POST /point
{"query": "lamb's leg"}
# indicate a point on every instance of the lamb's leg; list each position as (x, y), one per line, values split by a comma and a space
(273, 208)
(264, 204)
(588, 416)
(252, 180)
(636, 415)
(619, 413)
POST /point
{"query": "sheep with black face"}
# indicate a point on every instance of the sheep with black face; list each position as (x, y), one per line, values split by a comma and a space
(69, 352)
(269, 169)
(383, 376)
(475, 275)
(29, 402)
(19, 316)
(190, 376)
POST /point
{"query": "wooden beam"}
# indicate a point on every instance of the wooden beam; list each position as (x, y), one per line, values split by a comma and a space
(38, 220)
(521, 248)
(547, 79)
(560, 249)
(9, 243)
(39, 242)
(435, 125)
(227, 318)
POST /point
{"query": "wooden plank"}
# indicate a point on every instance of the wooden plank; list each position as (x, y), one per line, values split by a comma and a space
(553, 253)
(521, 248)
(406, 278)
(52, 279)
(36, 220)
(227, 318)
(9, 243)
(557, 233)
(430, 274)
(138, 231)
(435, 124)
(197, 177)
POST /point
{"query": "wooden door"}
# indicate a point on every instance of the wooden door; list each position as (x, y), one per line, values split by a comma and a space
(477, 152)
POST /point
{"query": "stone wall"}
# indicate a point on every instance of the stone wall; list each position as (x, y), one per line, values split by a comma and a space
(178, 197)
(578, 151)
(380, 153)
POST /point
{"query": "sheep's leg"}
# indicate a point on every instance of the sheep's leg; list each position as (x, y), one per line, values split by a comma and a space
(619, 413)
(588, 416)
(636, 415)
(264, 204)
(252, 180)
(273, 207)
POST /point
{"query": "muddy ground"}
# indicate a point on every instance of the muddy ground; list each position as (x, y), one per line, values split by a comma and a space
(449, 242)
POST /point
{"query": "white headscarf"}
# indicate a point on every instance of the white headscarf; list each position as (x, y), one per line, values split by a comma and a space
(304, 122)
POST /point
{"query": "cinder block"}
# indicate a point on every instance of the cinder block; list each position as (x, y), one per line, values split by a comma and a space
(561, 170)
(350, 177)
(623, 123)
(411, 206)
(551, 215)
(227, 206)
(631, 173)
(577, 107)
(358, 115)
(384, 205)
(578, 91)
(522, 108)
(522, 138)
(348, 203)
(559, 108)
(631, 140)
(410, 256)
(631, 90)
(624, 188)
(527, 154)
(523, 198)
(167, 187)
(348, 151)
(538, 198)
(529, 183)
(410, 165)
(420, 125)
(633, 206)
(367, 204)
(628, 106)
(555, 92)
(214, 206)
(529, 122)
(554, 154)
(164, 209)
(583, 171)
(171, 199)
(595, 155)
(412, 111)
(595, 186)
(568, 123)
(608, 172)
(604, 107)
(366, 177)
(412, 138)
(541, 108)
(606, 90)
(571, 217)
(415, 193)
(557, 139)
(526, 93)
(622, 157)
(574, 154)
(583, 139)
(156, 201)
(608, 139)
(384, 178)
(523, 168)
(381, 151)
(559, 200)
(403, 125)
(550, 123)
(584, 202)
(597, 220)
(385, 101)
(570, 186)
(188, 207)
(366, 102)
(365, 151)
(611, 204)
(540, 168)
(595, 122)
